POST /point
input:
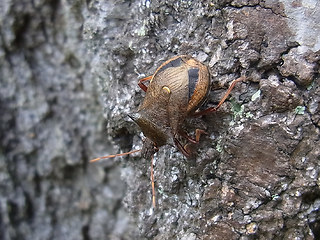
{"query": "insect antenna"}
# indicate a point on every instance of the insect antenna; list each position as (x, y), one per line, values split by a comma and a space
(114, 155)
(152, 185)
(127, 153)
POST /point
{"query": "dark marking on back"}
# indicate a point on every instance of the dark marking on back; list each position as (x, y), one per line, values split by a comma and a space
(174, 63)
(193, 74)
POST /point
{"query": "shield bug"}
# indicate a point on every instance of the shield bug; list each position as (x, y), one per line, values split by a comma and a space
(175, 92)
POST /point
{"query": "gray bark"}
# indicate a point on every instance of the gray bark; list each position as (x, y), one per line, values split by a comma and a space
(68, 78)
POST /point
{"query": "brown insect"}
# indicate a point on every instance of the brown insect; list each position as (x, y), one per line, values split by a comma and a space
(175, 92)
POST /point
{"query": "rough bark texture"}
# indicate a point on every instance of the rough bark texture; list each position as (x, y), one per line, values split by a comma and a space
(256, 173)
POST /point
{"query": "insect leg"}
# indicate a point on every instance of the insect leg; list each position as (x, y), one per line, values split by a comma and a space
(213, 109)
(181, 148)
(198, 134)
(142, 85)
(190, 139)
(189, 146)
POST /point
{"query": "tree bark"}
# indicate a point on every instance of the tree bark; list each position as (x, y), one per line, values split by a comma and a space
(69, 73)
